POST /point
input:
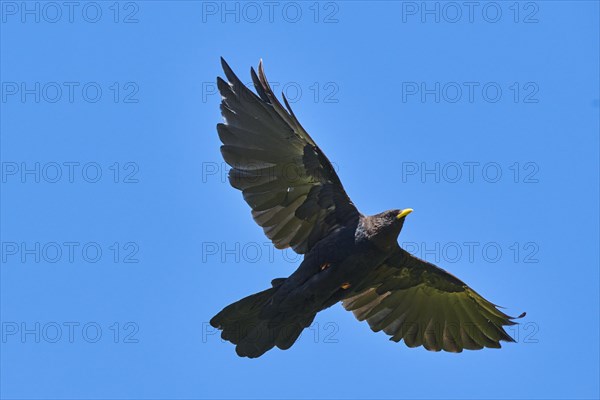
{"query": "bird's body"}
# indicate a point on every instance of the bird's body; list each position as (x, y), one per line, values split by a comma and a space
(299, 201)
(331, 270)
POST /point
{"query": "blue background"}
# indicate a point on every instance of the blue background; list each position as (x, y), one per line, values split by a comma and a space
(196, 246)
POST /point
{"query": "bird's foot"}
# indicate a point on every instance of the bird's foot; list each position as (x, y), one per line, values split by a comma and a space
(345, 285)
(325, 266)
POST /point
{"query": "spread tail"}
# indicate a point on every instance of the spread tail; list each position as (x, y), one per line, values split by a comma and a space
(254, 334)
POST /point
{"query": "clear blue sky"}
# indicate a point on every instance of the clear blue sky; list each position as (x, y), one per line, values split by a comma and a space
(121, 237)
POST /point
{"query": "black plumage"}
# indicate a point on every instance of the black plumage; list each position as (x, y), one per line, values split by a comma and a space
(297, 198)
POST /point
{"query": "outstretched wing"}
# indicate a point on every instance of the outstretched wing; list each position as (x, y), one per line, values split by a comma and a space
(292, 188)
(411, 299)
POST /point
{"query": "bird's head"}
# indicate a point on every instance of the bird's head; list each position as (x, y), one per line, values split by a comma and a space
(385, 227)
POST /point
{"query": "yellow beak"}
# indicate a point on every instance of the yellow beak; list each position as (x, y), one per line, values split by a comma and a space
(404, 213)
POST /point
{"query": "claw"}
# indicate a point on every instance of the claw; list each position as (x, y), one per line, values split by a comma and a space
(325, 266)
(345, 285)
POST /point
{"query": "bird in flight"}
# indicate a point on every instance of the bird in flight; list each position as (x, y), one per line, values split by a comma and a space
(297, 198)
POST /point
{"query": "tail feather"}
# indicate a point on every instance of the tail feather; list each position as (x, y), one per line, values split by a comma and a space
(253, 335)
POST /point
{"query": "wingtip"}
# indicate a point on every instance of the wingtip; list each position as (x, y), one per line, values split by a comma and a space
(231, 76)
(519, 317)
(224, 63)
(214, 322)
(261, 71)
(221, 81)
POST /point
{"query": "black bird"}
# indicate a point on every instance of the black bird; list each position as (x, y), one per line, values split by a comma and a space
(299, 201)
